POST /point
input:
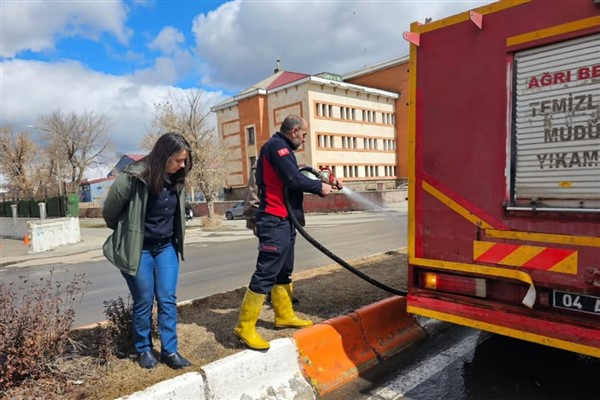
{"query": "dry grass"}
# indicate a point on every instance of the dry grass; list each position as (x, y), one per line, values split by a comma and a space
(205, 330)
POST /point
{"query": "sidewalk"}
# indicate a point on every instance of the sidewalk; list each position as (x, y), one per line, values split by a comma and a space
(14, 253)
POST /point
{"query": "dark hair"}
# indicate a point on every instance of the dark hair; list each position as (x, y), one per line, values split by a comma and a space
(290, 122)
(155, 171)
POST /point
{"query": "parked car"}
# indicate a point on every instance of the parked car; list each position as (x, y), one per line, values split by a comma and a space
(236, 211)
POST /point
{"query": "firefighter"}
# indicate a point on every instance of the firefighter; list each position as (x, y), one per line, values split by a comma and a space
(277, 169)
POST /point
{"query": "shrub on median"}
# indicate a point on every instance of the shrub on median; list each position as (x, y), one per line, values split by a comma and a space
(36, 316)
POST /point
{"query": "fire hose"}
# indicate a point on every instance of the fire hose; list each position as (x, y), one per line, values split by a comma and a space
(327, 177)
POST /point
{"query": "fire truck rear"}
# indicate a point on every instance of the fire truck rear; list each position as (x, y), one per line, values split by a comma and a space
(504, 180)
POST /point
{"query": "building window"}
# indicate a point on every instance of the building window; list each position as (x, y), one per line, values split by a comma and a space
(251, 135)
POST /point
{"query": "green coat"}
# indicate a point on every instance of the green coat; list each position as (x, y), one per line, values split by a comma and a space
(124, 212)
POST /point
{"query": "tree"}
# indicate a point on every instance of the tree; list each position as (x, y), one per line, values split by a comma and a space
(18, 161)
(80, 139)
(190, 116)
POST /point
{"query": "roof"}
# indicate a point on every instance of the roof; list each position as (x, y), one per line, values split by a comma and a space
(277, 79)
(285, 78)
(92, 181)
(377, 67)
(282, 79)
(135, 157)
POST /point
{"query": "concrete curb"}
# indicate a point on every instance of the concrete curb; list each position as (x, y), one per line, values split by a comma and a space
(274, 374)
(318, 360)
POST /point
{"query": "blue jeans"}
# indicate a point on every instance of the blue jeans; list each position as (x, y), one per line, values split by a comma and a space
(156, 278)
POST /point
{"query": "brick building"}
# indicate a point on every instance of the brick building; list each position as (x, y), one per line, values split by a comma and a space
(354, 124)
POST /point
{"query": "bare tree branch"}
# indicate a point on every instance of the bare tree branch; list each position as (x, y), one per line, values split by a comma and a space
(190, 116)
(80, 139)
(19, 162)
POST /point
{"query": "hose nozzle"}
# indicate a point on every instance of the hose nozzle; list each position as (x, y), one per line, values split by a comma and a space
(327, 177)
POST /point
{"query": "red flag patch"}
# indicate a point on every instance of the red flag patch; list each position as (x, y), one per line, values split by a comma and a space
(283, 152)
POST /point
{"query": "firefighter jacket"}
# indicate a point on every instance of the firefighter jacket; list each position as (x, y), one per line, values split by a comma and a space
(276, 170)
(124, 212)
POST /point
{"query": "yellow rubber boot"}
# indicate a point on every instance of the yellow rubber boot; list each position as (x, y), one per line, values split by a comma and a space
(281, 298)
(246, 327)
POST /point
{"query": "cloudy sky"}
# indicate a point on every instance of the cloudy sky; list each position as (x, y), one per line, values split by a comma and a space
(118, 58)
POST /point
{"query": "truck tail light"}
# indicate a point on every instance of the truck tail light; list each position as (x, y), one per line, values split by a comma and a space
(452, 283)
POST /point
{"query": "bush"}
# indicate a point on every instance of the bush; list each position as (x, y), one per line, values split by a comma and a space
(35, 320)
(117, 339)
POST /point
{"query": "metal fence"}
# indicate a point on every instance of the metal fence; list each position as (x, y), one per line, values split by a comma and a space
(56, 207)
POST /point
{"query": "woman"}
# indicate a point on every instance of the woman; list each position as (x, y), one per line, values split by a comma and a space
(145, 208)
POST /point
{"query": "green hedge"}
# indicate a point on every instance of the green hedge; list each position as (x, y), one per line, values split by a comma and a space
(55, 207)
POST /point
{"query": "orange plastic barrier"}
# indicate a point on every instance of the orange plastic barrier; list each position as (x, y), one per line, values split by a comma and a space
(387, 326)
(336, 351)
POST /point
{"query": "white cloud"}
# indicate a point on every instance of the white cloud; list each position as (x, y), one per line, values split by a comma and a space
(36, 25)
(166, 70)
(175, 62)
(236, 45)
(168, 40)
(144, 3)
(240, 41)
(37, 88)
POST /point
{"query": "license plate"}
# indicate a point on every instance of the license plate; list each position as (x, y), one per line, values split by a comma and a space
(576, 302)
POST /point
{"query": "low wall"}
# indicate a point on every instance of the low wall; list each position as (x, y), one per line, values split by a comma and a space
(14, 228)
(43, 235)
(340, 201)
(335, 202)
(49, 234)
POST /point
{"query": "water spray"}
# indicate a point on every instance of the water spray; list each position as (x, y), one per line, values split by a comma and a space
(330, 179)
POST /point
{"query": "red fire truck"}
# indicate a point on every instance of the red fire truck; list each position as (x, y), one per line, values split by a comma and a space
(504, 179)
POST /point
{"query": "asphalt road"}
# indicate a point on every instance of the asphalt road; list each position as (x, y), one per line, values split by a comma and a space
(461, 363)
(223, 261)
